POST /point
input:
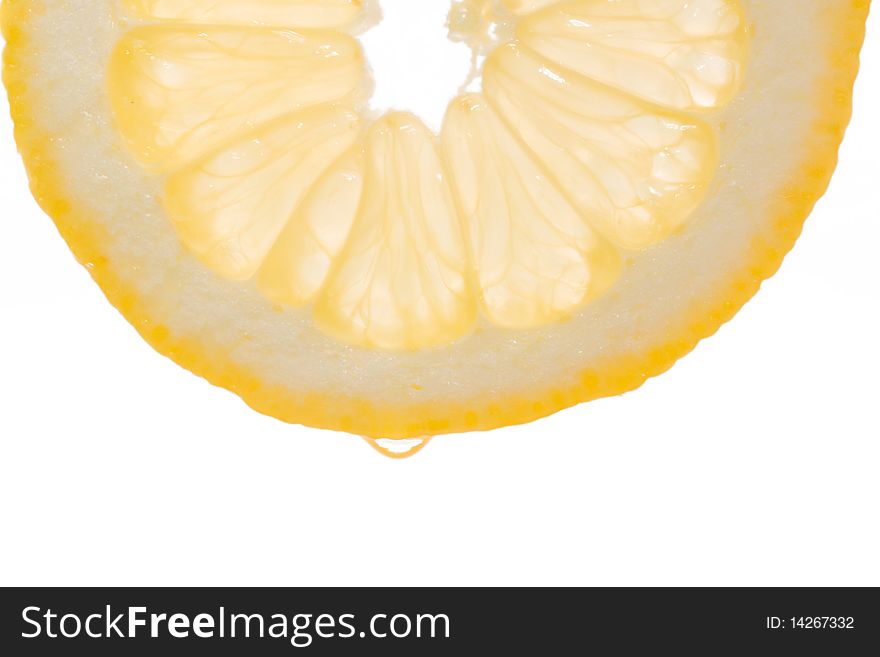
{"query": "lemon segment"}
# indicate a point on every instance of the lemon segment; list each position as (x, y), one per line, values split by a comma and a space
(680, 54)
(297, 266)
(179, 92)
(536, 258)
(634, 171)
(231, 207)
(280, 13)
(402, 281)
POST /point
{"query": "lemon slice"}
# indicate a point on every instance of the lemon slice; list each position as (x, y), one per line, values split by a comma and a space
(614, 182)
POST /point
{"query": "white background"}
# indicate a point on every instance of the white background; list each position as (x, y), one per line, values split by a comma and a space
(756, 460)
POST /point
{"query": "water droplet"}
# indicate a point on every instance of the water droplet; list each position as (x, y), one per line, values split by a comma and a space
(398, 449)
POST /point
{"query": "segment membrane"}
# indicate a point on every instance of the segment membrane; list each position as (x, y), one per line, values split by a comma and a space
(298, 265)
(179, 93)
(682, 54)
(401, 282)
(634, 172)
(537, 259)
(230, 208)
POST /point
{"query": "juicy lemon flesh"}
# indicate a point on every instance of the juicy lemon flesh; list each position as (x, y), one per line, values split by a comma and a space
(586, 143)
(402, 280)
